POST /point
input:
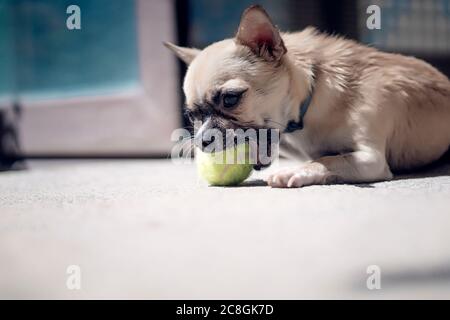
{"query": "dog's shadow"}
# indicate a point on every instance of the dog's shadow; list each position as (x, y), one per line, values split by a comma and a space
(436, 169)
(251, 183)
(439, 168)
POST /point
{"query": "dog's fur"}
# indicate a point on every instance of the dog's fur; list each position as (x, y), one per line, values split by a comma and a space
(371, 112)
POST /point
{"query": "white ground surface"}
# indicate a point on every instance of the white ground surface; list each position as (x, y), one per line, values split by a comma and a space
(149, 229)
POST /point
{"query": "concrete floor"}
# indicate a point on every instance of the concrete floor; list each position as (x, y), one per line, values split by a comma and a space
(150, 229)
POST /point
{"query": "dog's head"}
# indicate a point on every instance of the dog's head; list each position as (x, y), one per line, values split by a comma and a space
(240, 82)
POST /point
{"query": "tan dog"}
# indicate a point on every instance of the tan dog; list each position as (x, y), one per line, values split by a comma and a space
(368, 112)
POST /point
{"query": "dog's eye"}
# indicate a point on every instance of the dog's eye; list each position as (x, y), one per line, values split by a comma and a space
(230, 100)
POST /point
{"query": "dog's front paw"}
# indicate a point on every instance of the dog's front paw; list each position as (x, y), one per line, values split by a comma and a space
(309, 174)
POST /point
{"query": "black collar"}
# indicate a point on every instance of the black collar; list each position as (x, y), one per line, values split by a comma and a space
(293, 125)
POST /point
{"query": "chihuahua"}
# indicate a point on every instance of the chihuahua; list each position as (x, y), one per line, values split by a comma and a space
(348, 112)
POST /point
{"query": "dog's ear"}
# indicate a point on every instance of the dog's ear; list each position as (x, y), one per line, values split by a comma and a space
(185, 54)
(257, 32)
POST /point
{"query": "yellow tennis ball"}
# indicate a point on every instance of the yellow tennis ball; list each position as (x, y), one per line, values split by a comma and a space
(225, 168)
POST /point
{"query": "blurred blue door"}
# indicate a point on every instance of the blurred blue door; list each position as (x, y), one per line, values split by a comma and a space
(94, 89)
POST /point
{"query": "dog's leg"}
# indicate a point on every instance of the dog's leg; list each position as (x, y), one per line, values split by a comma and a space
(354, 167)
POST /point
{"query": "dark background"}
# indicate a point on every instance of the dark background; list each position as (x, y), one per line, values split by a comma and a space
(200, 22)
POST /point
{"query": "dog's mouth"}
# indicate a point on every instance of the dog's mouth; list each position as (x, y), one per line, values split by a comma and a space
(260, 143)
